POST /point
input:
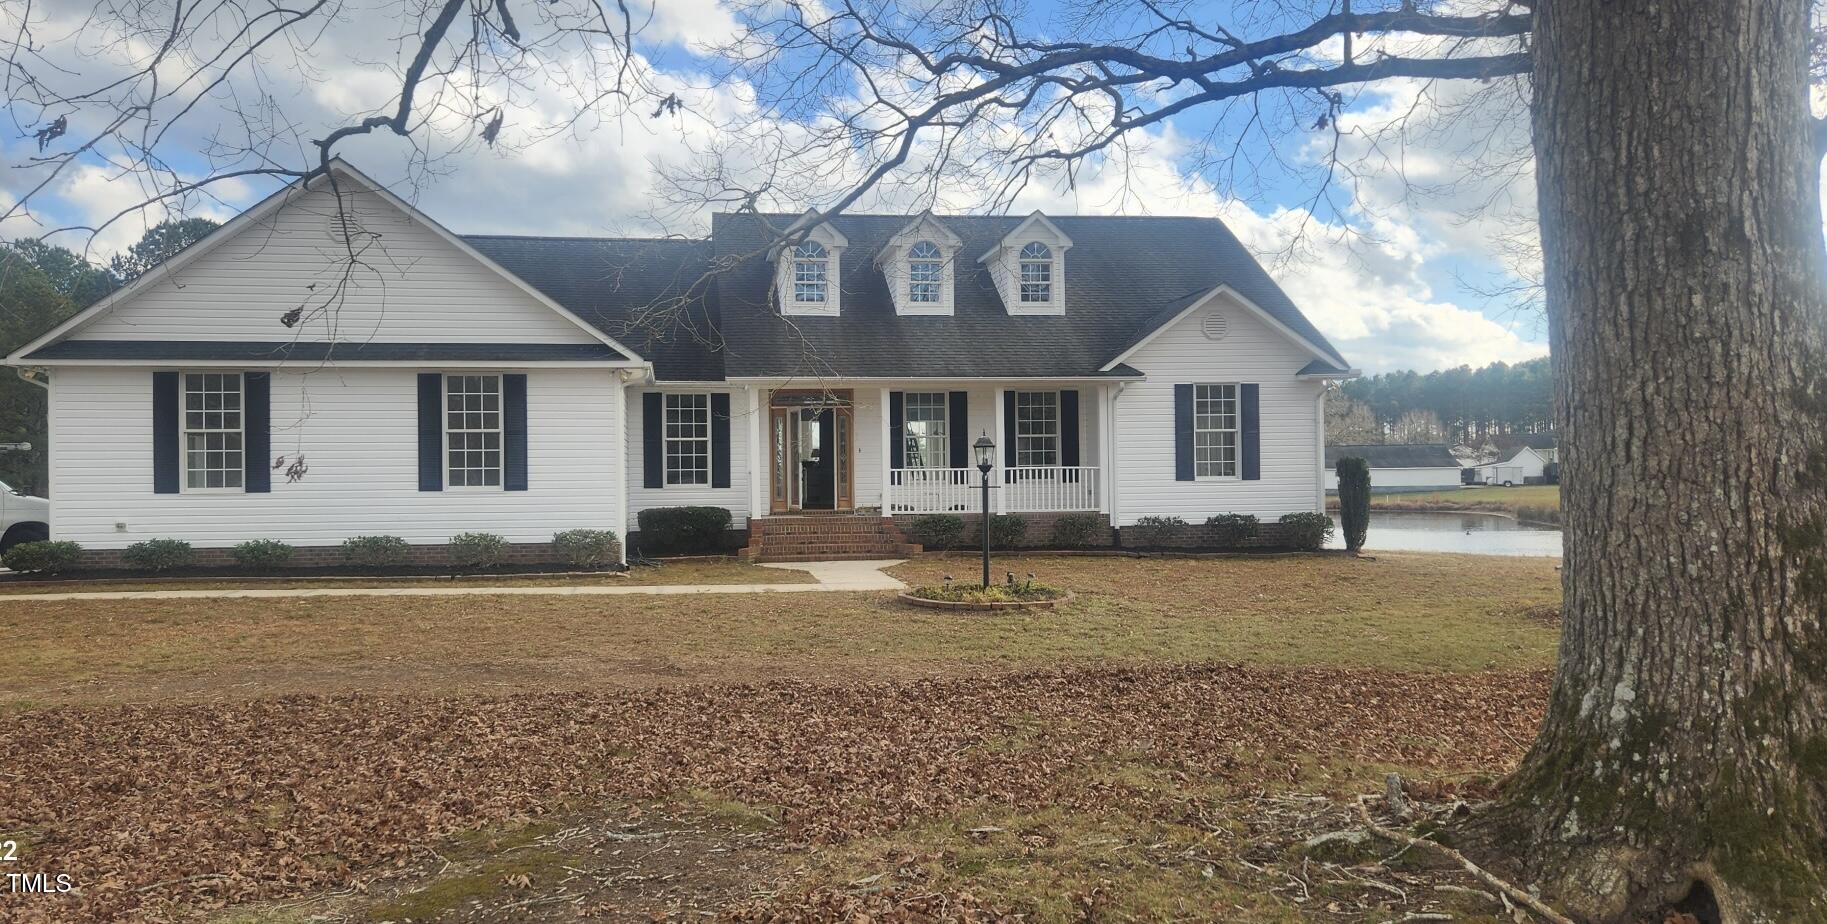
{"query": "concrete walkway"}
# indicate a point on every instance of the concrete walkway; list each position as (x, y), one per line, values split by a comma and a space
(831, 576)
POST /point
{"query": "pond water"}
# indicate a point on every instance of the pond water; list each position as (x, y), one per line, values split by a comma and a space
(1470, 533)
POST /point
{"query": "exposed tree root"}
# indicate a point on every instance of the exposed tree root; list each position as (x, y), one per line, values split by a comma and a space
(1518, 895)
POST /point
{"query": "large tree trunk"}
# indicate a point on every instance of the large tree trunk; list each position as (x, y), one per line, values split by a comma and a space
(1681, 227)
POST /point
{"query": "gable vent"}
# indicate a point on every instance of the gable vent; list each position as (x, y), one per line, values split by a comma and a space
(1215, 326)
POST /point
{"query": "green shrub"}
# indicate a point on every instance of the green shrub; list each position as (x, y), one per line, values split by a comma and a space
(158, 554)
(684, 530)
(1307, 531)
(261, 554)
(375, 551)
(938, 532)
(1354, 500)
(1006, 530)
(588, 548)
(1153, 532)
(1229, 530)
(1074, 530)
(476, 551)
(43, 557)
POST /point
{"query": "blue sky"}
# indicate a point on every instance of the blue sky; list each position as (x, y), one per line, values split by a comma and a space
(1380, 268)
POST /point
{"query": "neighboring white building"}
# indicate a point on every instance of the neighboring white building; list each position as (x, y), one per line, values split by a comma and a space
(1399, 467)
(1526, 464)
(440, 384)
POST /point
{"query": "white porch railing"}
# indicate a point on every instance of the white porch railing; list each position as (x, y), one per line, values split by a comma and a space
(1050, 488)
(1023, 489)
(934, 490)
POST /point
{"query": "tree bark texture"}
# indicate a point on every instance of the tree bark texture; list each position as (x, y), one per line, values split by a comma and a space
(1686, 741)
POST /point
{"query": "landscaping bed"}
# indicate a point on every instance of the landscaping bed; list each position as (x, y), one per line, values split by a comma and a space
(696, 570)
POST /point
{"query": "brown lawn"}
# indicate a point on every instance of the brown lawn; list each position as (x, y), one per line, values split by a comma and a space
(1134, 755)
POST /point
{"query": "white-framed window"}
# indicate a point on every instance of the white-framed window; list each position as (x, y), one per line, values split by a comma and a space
(928, 430)
(472, 431)
(688, 440)
(1037, 428)
(925, 273)
(213, 435)
(1036, 272)
(811, 273)
(1215, 431)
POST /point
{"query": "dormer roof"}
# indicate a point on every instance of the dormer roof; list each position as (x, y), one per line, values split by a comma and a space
(925, 227)
(821, 231)
(1032, 227)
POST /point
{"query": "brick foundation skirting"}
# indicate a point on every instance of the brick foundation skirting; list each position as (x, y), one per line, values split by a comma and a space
(1192, 537)
(330, 556)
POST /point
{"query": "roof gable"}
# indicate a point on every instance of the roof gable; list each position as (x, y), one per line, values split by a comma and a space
(410, 280)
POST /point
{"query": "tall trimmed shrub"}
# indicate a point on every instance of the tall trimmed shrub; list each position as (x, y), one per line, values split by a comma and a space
(683, 530)
(1354, 500)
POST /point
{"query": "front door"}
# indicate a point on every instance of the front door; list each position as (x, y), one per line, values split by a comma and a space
(809, 435)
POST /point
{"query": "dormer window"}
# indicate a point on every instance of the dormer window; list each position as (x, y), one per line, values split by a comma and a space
(1028, 267)
(811, 273)
(1036, 273)
(917, 263)
(925, 273)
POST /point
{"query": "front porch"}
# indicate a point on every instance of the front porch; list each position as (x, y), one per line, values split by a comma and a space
(905, 449)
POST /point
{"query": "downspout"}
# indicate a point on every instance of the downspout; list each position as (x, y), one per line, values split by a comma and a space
(1115, 508)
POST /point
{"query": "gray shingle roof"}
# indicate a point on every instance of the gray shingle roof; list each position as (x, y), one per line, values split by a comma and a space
(646, 293)
(1404, 455)
(316, 351)
(1124, 278)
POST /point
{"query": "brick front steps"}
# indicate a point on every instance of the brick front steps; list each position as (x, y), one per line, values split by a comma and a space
(825, 537)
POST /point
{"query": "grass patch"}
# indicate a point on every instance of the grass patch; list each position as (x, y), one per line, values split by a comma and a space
(1495, 499)
(1402, 611)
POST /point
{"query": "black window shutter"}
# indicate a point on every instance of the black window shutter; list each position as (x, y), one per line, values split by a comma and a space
(165, 452)
(653, 443)
(958, 428)
(720, 439)
(257, 421)
(897, 429)
(1248, 396)
(1068, 427)
(1009, 455)
(431, 431)
(1183, 433)
(514, 431)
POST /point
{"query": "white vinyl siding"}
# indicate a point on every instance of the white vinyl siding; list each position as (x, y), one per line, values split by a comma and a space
(357, 428)
(213, 432)
(412, 286)
(1290, 451)
(734, 498)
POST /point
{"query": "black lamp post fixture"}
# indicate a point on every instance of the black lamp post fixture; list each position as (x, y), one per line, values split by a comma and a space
(986, 460)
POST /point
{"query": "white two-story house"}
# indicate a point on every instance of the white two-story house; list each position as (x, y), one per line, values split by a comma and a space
(314, 371)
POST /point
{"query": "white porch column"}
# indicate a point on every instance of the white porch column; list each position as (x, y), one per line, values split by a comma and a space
(760, 458)
(1002, 452)
(887, 453)
(1106, 432)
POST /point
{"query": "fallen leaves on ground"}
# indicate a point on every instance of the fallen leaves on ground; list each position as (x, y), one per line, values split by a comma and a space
(153, 810)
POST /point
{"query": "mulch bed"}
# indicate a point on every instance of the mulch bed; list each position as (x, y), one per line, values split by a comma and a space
(159, 810)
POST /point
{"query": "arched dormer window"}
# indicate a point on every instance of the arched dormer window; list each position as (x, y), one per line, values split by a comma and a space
(1036, 272)
(925, 273)
(811, 273)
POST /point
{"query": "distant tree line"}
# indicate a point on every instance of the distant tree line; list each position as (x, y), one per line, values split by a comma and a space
(41, 286)
(1454, 406)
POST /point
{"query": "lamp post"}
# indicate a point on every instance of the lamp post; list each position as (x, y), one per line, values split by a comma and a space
(986, 459)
